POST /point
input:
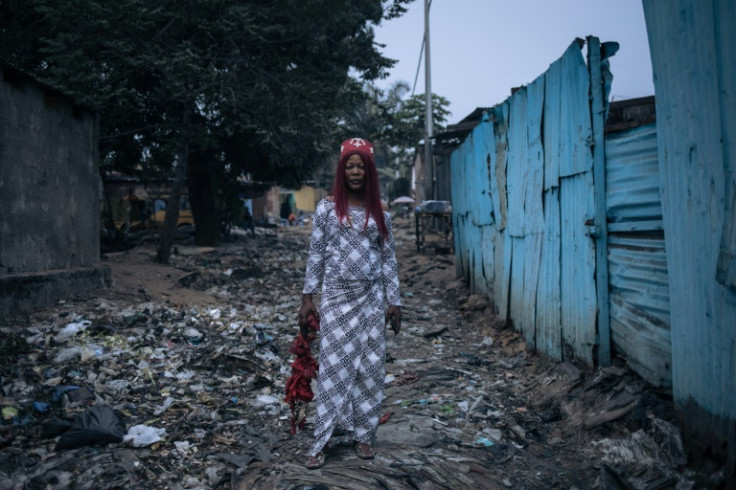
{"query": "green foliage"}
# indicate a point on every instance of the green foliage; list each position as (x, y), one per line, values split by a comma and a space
(265, 82)
(205, 90)
(396, 125)
(409, 121)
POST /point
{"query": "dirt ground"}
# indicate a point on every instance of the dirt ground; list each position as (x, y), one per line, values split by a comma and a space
(195, 354)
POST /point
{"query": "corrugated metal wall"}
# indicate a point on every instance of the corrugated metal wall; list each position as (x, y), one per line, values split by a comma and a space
(522, 197)
(692, 47)
(527, 231)
(637, 263)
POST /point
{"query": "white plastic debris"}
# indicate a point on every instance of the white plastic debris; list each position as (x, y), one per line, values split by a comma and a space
(143, 435)
(263, 400)
(185, 375)
(493, 433)
(68, 354)
(167, 403)
(71, 330)
(184, 447)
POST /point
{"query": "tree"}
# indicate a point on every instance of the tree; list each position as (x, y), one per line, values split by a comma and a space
(201, 89)
(395, 125)
(409, 122)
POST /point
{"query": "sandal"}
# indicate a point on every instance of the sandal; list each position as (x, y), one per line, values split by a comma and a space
(364, 451)
(315, 462)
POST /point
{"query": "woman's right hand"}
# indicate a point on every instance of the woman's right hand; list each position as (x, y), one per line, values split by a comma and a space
(307, 308)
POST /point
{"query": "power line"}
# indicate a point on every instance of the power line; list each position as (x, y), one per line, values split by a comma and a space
(421, 54)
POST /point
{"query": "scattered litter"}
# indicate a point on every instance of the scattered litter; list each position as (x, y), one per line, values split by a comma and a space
(197, 370)
(96, 426)
(72, 329)
(9, 413)
(143, 435)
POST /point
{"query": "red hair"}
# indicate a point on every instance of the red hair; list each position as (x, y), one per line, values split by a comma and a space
(373, 206)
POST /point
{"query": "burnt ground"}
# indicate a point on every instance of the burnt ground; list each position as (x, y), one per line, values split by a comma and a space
(194, 356)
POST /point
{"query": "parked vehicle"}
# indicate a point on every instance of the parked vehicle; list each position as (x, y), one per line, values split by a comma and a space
(153, 216)
(156, 220)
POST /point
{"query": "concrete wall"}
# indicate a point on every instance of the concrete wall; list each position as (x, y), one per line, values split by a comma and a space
(49, 196)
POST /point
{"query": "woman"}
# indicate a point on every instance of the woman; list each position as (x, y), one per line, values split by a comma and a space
(352, 254)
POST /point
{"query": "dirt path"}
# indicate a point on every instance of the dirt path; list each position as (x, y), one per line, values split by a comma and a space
(200, 349)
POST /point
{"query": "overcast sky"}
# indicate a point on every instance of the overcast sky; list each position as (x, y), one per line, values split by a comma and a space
(482, 48)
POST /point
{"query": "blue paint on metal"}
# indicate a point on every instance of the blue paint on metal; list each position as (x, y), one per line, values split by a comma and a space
(577, 266)
(517, 216)
(671, 266)
(632, 176)
(637, 268)
(500, 195)
(516, 154)
(640, 307)
(692, 46)
(549, 300)
(575, 156)
(533, 183)
(597, 112)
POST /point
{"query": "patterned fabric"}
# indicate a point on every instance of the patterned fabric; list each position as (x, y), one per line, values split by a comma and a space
(356, 268)
(362, 147)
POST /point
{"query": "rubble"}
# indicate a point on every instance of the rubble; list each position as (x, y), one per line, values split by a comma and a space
(175, 376)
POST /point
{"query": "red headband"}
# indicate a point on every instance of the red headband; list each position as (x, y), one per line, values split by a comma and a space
(362, 147)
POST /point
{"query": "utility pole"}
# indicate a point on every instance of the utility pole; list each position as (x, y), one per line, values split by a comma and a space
(429, 169)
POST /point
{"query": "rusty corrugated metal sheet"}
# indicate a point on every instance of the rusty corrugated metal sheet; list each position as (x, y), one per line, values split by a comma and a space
(692, 46)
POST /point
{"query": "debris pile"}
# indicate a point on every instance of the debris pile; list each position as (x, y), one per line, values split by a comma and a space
(175, 378)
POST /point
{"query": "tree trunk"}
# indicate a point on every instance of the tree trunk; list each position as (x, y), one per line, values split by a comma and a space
(172, 205)
(204, 206)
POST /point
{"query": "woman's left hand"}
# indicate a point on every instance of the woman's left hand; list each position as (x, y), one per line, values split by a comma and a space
(393, 315)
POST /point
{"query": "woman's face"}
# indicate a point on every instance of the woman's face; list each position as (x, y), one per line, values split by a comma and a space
(355, 174)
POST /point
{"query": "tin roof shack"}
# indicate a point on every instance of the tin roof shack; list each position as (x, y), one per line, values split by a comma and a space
(49, 191)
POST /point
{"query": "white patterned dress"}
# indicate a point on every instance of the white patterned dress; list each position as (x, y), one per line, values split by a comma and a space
(355, 269)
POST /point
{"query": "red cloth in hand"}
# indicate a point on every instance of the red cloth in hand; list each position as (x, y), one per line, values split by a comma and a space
(303, 369)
